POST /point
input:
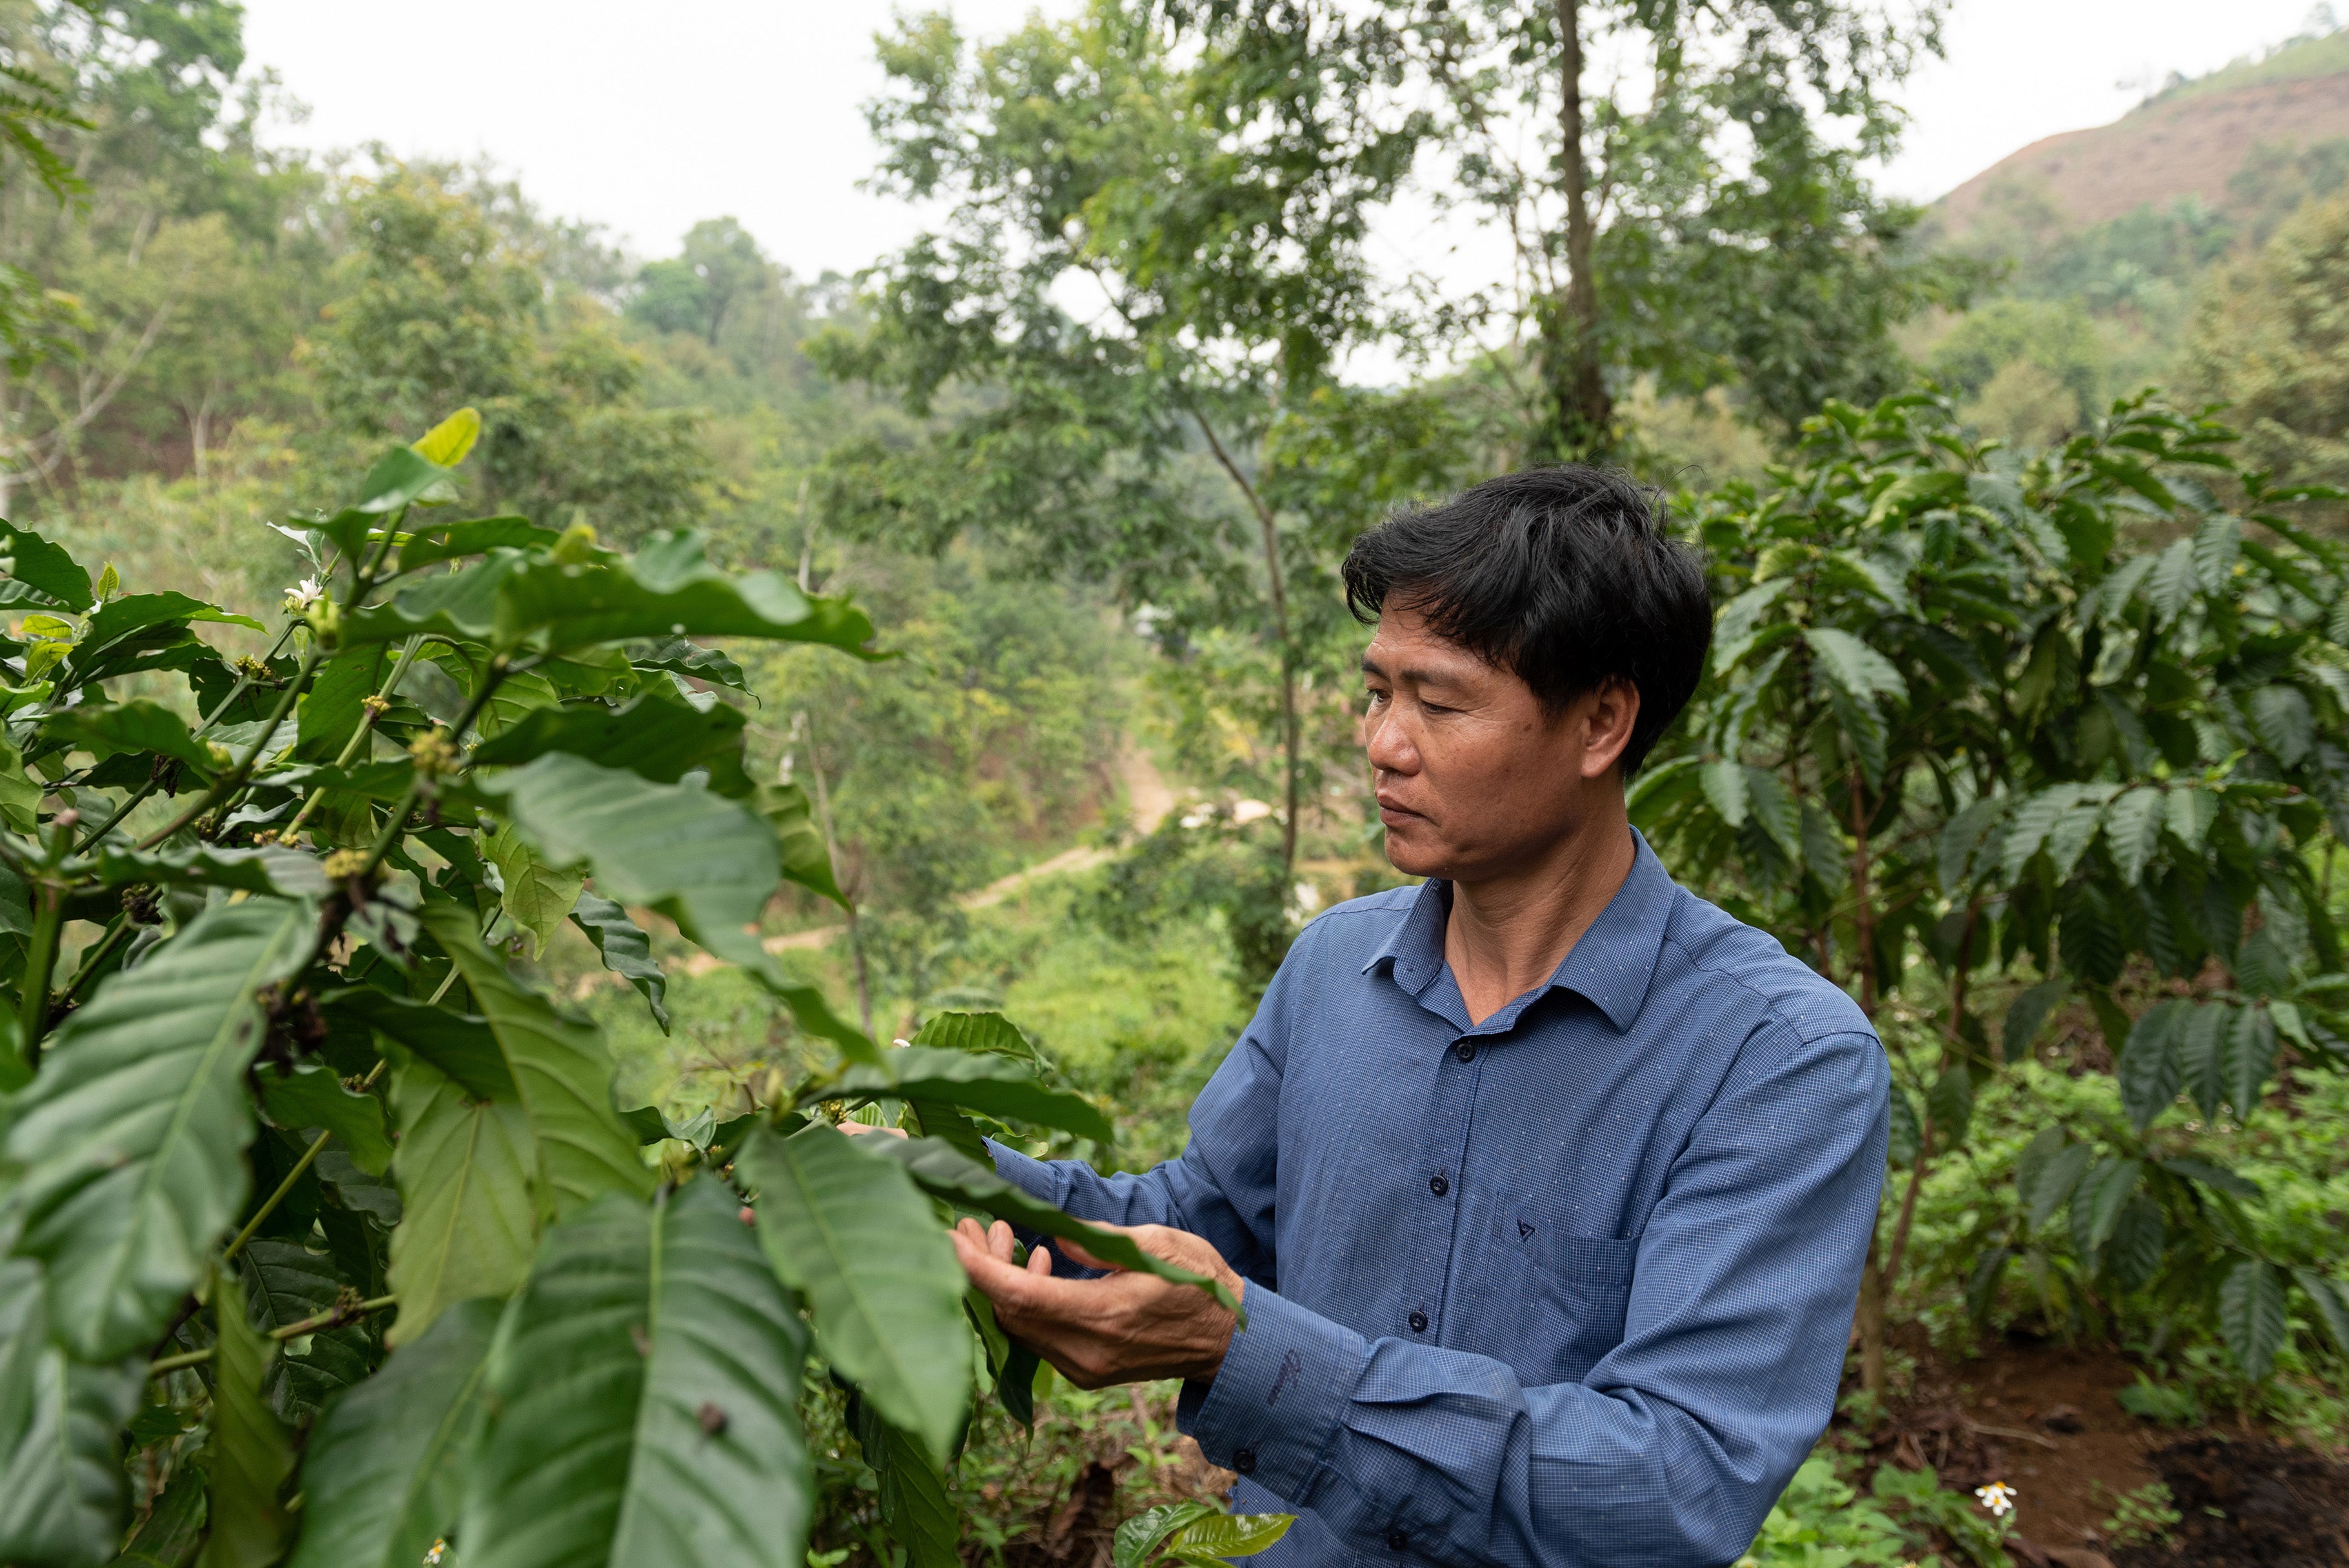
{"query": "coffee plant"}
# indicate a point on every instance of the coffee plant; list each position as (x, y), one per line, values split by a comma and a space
(322, 1238)
(2077, 722)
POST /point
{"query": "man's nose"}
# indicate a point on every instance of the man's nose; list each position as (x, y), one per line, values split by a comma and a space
(1389, 746)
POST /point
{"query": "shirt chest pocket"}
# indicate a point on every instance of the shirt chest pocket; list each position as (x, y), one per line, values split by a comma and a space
(1569, 1294)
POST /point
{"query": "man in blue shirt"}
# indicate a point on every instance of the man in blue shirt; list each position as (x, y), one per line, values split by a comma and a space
(1546, 1185)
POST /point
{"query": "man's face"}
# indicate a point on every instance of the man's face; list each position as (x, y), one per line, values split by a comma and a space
(1473, 779)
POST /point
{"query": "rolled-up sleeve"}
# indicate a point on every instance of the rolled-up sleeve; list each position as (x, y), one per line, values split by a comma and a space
(1673, 1447)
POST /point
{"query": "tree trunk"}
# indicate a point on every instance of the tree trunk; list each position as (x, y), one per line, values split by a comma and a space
(1871, 1327)
(1292, 742)
(1873, 1283)
(1863, 909)
(1955, 1029)
(1583, 425)
(831, 854)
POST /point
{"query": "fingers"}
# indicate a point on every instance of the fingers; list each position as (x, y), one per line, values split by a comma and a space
(858, 1129)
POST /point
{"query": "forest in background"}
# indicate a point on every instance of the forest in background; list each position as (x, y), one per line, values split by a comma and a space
(1105, 548)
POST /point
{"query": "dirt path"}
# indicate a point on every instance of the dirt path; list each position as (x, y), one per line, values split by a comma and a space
(1146, 792)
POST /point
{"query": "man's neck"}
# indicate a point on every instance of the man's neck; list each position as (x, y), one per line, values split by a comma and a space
(1507, 933)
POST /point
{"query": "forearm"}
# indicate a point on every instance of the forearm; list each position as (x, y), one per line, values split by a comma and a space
(1411, 1452)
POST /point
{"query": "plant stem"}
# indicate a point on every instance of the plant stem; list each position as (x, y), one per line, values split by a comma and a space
(394, 823)
(333, 1318)
(40, 956)
(127, 806)
(244, 678)
(235, 777)
(369, 714)
(90, 960)
(309, 1155)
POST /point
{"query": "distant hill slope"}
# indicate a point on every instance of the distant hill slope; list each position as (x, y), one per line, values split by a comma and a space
(2191, 139)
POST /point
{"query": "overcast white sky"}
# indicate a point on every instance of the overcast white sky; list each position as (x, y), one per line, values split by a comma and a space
(647, 121)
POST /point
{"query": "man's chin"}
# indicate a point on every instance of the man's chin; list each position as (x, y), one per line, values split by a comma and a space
(1410, 850)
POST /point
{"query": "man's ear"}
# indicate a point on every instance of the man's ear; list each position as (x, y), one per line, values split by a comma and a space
(1607, 717)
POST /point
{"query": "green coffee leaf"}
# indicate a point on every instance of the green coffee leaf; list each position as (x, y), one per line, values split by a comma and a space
(561, 1068)
(1217, 1536)
(536, 896)
(2133, 830)
(1856, 669)
(174, 1527)
(993, 1084)
(312, 1096)
(706, 863)
(2330, 1300)
(251, 1452)
(2028, 1013)
(2251, 1315)
(132, 1139)
(458, 1044)
(655, 735)
(2058, 1181)
(1724, 790)
(2149, 1069)
(288, 1283)
(468, 1174)
(440, 541)
(136, 726)
(1140, 1536)
(2097, 1205)
(41, 572)
(915, 1503)
(385, 1470)
(2247, 1058)
(276, 871)
(852, 1232)
(668, 589)
(944, 1174)
(62, 1491)
(2200, 1047)
(627, 952)
(670, 1436)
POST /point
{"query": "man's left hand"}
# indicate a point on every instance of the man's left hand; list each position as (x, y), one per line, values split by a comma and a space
(1122, 1328)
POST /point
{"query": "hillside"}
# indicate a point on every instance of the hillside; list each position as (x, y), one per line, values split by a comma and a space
(2193, 140)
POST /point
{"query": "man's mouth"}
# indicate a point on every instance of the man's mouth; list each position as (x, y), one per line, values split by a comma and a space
(1398, 816)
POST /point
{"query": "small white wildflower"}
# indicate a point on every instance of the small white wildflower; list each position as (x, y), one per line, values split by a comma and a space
(1998, 1497)
(304, 595)
(440, 1550)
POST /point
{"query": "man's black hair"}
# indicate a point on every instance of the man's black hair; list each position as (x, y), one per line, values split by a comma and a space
(1564, 576)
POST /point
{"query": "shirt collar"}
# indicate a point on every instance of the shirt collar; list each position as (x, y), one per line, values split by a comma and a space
(1609, 966)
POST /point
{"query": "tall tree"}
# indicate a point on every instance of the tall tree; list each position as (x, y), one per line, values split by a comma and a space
(1680, 182)
(1151, 263)
(449, 301)
(2065, 732)
(703, 288)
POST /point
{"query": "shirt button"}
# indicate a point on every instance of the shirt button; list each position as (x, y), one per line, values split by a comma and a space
(1244, 1461)
(1464, 1051)
(1439, 1186)
(1397, 1540)
(1418, 1323)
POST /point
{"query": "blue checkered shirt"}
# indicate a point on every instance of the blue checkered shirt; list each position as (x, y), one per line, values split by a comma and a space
(1567, 1288)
